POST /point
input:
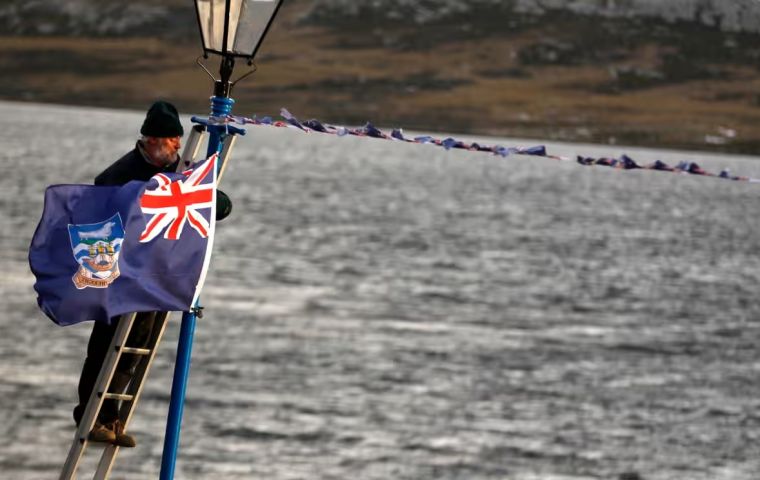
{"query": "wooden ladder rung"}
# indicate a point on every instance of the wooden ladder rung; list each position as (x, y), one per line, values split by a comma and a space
(118, 396)
(136, 351)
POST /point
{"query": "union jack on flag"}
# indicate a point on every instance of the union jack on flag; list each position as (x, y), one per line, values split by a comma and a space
(176, 202)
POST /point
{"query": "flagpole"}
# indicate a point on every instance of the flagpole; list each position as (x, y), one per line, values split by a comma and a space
(228, 47)
(176, 404)
(221, 107)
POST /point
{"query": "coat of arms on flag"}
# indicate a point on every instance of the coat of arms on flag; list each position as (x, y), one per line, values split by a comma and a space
(96, 248)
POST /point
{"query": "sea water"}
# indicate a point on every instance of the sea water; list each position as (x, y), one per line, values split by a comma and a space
(378, 310)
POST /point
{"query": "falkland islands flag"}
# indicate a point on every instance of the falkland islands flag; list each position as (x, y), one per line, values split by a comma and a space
(100, 252)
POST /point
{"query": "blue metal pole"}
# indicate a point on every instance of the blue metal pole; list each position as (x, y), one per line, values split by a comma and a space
(177, 402)
(220, 107)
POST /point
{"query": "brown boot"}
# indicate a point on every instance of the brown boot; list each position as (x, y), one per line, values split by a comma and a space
(102, 433)
(122, 439)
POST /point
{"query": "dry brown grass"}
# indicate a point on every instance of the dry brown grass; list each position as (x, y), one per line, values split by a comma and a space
(452, 89)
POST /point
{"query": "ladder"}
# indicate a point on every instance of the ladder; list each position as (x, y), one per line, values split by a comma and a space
(99, 394)
(118, 348)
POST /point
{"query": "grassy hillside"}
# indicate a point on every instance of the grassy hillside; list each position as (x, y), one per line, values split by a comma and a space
(558, 76)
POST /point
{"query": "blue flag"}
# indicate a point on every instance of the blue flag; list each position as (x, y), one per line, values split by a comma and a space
(100, 252)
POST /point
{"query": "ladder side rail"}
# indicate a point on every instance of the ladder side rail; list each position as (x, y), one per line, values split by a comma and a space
(192, 145)
(108, 457)
(229, 143)
(92, 409)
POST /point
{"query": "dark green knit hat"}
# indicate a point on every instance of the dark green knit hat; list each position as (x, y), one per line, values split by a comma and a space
(162, 121)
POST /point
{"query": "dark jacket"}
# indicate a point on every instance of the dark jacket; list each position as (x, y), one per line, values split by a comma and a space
(134, 166)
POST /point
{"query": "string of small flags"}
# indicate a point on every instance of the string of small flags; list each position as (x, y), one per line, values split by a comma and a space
(623, 163)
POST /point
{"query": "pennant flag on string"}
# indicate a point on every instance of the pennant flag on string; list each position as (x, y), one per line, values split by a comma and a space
(369, 130)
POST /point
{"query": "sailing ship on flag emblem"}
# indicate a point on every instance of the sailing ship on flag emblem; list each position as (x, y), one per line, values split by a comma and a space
(96, 248)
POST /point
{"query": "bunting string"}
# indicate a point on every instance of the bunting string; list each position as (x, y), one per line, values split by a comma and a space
(624, 162)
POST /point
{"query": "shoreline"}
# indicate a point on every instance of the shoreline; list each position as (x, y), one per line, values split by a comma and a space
(620, 148)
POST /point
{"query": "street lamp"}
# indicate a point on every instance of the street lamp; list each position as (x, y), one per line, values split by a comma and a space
(233, 29)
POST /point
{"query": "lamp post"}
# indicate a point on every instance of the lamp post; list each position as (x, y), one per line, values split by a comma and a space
(231, 29)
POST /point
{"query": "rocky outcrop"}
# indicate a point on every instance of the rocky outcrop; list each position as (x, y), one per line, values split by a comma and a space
(730, 16)
(733, 16)
(92, 18)
(171, 18)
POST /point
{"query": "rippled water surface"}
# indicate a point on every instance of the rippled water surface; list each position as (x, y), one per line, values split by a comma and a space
(385, 311)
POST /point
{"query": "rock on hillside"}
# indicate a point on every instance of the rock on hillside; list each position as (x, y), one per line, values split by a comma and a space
(730, 16)
(172, 18)
(96, 17)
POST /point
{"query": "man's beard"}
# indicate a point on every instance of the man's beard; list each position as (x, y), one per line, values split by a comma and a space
(165, 156)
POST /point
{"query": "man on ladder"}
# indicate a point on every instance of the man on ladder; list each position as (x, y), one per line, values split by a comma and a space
(156, 152)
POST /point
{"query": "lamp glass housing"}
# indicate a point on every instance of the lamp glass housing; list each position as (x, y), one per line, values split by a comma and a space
(246, 21)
